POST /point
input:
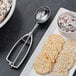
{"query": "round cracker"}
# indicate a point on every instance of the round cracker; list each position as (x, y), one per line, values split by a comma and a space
(70, 45)
(64, 62)
(52, 53)
(42, 64)
(55, 40)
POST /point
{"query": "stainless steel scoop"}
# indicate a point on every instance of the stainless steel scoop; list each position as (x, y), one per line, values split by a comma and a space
(41, 16)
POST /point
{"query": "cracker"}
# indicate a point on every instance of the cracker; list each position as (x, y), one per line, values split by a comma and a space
(64, 62)
(52, 54)
(49, 53)
(72, 49)
(42, 64)
(59, 73)
(56, 41)
(45, 60)
(70, 45)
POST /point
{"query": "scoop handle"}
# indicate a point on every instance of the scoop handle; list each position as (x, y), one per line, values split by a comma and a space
(12, 63)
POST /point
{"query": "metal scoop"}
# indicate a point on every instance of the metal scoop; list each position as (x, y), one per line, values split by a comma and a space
(41, 16)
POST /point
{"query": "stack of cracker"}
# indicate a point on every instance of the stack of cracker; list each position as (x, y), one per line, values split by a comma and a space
(66, 59)
(56, 56)
(47, 58)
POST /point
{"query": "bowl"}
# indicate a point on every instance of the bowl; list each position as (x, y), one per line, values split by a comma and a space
(68, 28)
(10, 13)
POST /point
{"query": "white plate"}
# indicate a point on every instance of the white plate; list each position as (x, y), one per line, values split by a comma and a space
(28, 70)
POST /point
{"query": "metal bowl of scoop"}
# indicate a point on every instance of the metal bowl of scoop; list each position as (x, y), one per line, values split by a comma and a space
(42, 14)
